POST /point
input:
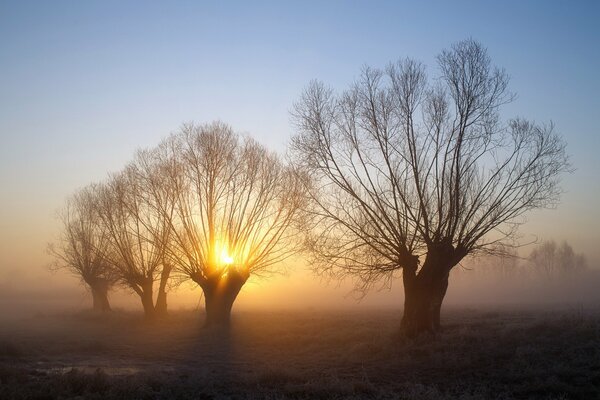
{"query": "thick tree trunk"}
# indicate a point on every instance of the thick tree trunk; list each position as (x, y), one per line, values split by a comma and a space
(425, 291)
(161, 299)
(219, 296)
(100, 296)
(161, 304)
(147, 302)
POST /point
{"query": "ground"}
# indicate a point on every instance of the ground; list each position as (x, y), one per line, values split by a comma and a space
(481, 354)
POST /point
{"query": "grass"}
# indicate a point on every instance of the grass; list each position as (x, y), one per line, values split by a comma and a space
(481, 354)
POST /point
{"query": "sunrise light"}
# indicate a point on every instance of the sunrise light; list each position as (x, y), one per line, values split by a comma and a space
(226, 258)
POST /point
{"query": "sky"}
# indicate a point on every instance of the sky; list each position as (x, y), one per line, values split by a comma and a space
(85, 84)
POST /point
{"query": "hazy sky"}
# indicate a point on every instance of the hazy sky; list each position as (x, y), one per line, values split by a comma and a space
(83, 84)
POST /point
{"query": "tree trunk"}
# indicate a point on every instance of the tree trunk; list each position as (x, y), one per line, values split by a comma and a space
(438, 298)
(219, 296)
(424, 292)
(147, 302)
(100, 296)
(161, 299)
(161, 304)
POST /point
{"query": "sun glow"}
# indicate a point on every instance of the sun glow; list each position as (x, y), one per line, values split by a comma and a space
(226, 255)
(226, 258)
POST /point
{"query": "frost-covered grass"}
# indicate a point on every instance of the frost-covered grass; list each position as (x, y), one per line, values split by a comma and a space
(481, 354)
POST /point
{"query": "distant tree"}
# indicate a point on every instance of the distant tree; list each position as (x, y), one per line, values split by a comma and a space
(131, 207)
(82, 246)
(236, 213)
(551, 260)
(410, 171)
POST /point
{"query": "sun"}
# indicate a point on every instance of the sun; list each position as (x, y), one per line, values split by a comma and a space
(226, 258)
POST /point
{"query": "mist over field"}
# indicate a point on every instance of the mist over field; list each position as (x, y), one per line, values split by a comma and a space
(498, 353)
(472, 286)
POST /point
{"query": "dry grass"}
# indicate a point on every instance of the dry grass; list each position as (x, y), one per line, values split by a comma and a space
(480, 355)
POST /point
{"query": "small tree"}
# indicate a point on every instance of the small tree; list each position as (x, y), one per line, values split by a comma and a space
(551, 260)
(138, 232)
(153, 170)
(414, 176)
(235, 212)
(82, 246)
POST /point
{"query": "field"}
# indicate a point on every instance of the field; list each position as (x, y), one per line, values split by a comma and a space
(481, 354)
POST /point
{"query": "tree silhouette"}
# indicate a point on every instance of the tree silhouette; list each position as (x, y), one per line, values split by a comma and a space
(551, 260)
(414, 176)
(82, 245)
(235, 213)
(131, 207)
(207, 204)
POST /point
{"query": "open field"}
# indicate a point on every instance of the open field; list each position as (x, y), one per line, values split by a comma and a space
(481, 354)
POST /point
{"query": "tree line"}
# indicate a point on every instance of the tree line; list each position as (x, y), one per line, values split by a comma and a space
(547, 261)
(399, 173)
(205, 205)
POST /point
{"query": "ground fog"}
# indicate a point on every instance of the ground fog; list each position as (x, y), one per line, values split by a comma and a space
(485, 353)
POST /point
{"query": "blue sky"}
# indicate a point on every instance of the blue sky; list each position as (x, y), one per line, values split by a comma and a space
(83, 84)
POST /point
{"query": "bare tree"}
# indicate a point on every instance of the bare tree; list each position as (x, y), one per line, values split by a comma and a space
(82, 246)
(552, 261)
(235, 214)
(414, 176)
(131, 206)
(154, 170)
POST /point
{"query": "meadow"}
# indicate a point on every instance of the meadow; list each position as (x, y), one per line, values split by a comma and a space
(482, 353)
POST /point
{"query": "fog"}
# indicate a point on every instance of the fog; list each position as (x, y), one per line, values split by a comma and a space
(471, 285)
(296, 337)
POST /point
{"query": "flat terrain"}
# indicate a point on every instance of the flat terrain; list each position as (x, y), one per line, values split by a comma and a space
(481, 354)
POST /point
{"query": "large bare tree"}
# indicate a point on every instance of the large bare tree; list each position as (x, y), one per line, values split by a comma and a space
(82, 247)
(235, 213)
(414, 175)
